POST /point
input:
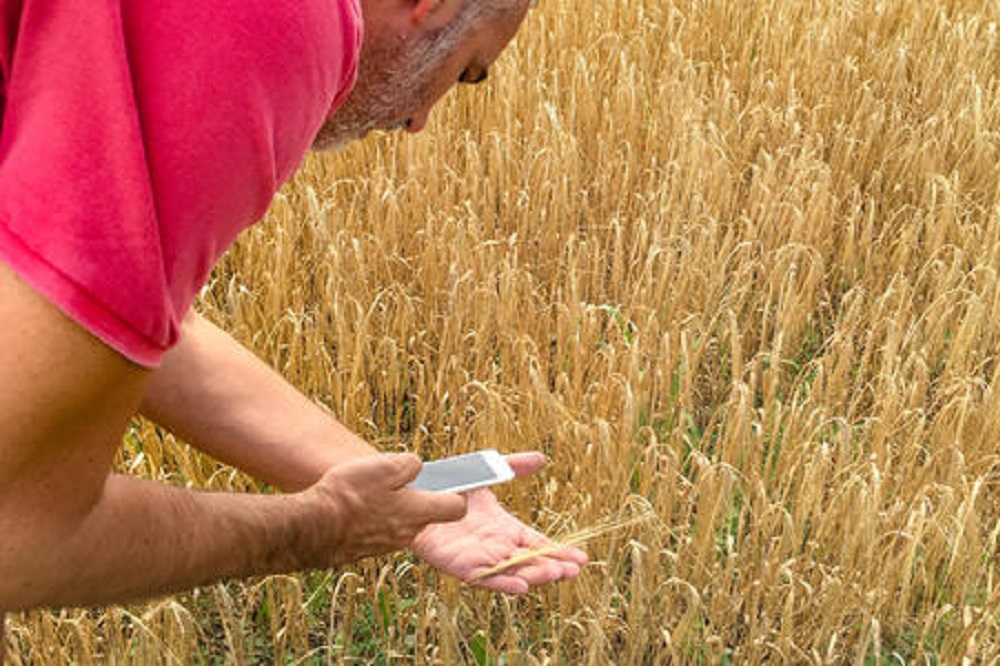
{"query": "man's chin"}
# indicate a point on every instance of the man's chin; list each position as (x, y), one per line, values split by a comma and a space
(332, 144)
(332, 139)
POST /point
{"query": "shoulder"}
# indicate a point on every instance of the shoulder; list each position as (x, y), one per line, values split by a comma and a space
(65, 395)
(228, 67)
(240, 38)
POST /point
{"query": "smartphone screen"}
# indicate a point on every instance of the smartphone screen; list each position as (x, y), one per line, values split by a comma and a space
(465, 472)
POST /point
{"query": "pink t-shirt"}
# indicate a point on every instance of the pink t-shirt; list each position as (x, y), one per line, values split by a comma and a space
(138, 138)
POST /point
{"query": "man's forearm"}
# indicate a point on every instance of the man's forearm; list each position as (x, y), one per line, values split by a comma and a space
(219, 397)
(144, 538)
(70, 534)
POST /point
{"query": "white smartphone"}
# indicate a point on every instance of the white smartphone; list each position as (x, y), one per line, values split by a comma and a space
(465, 472)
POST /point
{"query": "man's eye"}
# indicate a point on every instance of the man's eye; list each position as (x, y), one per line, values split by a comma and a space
(467, 76)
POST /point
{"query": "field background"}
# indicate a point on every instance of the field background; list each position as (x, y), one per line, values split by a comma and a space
(735, 263)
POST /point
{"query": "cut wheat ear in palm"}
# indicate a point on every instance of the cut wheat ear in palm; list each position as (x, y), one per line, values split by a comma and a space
(637, 516)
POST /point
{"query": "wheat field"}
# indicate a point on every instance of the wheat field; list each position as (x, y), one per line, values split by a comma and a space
(735, 265)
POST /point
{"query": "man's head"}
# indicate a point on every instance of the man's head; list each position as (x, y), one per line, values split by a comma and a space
(414, 51)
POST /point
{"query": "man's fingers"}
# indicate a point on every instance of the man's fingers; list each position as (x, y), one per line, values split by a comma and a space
(534, 539)
(570, 554)
(505, 583)
(538, 571)
(526, 464)
(442, 507)
(405, 468)
(544, 570)
(573, 555)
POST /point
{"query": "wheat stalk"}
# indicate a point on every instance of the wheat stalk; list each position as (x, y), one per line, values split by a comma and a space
(576, 538)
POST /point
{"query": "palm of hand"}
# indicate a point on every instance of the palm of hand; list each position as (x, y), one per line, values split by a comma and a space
(487, 536)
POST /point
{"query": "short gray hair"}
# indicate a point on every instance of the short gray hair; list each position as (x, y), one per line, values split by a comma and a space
(474, 12)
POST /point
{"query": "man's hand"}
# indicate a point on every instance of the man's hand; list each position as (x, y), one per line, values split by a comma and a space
(488, 535)
(372, 510)
(222, 399)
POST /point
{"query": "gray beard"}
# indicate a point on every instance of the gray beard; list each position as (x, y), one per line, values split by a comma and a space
(392, 82)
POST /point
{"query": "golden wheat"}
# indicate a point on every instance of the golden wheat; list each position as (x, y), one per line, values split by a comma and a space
(737, 259)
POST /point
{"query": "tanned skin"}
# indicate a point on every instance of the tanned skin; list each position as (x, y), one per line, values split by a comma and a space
(74, 534)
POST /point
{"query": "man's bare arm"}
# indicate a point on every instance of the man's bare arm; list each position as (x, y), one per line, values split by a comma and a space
(215, 394)
(223, 400)
(72, 534)
(144, 538)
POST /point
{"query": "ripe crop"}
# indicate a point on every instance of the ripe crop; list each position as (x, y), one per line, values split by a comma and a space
(734, 263)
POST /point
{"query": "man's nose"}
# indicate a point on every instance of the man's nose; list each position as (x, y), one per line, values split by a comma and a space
(418, 121)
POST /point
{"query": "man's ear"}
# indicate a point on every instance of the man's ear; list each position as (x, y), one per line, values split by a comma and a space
(435, 14)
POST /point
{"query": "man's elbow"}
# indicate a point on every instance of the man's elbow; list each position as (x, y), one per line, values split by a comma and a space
(34, 542)
(16, 584)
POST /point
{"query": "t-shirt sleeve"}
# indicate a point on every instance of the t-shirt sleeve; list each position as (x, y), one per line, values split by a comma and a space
(138, 139)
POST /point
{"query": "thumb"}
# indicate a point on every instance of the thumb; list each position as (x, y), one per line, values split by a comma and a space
(405, 467)
(526, 464)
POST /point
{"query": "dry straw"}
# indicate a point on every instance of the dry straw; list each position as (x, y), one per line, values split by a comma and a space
(737, 258)
(577, 538)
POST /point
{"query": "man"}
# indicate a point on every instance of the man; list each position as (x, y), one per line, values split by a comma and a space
(137, 140)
